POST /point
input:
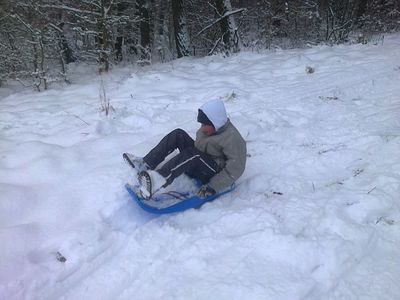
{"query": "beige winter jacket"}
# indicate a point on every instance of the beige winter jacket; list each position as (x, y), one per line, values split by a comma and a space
(228, 149)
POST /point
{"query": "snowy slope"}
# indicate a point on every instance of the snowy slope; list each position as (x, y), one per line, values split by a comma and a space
(316, 214)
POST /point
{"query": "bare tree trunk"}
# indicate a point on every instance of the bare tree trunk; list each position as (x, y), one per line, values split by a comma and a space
(229, 31)
(180, 27)
(142, 7)
(66, 51)
(120, 37)
(103, 39)
(161, 31)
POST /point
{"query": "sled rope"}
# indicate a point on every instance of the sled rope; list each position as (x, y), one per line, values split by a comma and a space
(177, 195)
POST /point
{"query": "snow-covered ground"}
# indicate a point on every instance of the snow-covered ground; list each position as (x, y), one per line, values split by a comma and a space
(316, 214)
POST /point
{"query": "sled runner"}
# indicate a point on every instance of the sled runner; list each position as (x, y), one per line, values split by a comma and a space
(171, 202)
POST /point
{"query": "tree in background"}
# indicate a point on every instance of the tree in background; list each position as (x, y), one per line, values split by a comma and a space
(32, 44)
(229, 30)
(182, 39)
(217, 27)
(378, 17)
(340, 16)
(40, 38)
(142, 10)
(97, 26)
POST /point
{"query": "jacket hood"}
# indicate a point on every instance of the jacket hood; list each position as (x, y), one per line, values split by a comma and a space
(216, 113)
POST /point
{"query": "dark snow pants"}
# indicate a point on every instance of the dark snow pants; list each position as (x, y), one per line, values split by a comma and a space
(190, 160)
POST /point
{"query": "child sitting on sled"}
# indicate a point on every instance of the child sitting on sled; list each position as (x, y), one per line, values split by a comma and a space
(217, 157)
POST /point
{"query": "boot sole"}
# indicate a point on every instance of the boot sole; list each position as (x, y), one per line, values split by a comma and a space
(145, 181)
(128, 161)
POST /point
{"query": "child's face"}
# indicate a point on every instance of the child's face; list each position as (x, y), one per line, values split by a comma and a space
(207, 129)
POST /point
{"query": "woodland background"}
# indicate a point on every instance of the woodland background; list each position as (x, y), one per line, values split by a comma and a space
(40, 38)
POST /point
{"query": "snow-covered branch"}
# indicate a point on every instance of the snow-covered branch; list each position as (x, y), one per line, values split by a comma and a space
(71, 9)
(226, 15)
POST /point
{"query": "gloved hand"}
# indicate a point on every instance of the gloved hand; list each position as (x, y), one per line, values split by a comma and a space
(205, 191)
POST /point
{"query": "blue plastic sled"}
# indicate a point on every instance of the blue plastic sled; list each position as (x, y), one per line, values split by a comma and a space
(166, 203)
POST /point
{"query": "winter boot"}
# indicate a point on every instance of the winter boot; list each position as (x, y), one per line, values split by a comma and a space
(135, 162)
(150, 182)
